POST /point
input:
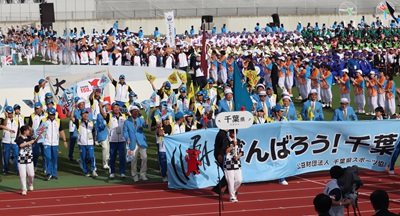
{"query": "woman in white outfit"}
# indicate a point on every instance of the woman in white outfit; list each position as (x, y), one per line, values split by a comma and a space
(25, 158)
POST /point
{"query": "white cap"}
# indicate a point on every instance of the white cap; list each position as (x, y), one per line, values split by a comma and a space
(359, 71)
(306, 60)
(372, 72)
(133, 108)
(80, 101)
(228, 91)
(262, 93)
(105, 103)
(260, 85)
(313, 91)
(344, 100)
(345, 70)
(286, 97)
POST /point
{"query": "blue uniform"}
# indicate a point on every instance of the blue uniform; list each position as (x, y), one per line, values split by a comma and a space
(338, 115)
(316, 111)
(133, 131)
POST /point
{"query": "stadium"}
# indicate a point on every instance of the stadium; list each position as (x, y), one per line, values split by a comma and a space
(183, 107)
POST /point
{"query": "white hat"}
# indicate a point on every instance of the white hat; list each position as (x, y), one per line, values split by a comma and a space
(80, 101)
(372, 72)
(262, 93)
(133, 108)
(286, 97)
(359, 71)
(313, 91)
(228, 91)
(306, 60)
(260, 85)
(105, 103)
(345, 70)
(344, 100)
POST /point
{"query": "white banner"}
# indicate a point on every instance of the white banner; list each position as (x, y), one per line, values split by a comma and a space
(170, 26)
(84, 84)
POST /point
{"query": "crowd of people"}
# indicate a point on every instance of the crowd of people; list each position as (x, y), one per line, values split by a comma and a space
(362, 58)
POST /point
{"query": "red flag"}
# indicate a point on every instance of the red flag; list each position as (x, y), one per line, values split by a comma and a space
(205, 119)
(203, 52)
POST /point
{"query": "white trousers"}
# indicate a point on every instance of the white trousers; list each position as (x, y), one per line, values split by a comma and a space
(214, 75)
(360, 101)
(25, 169)
(105, 151)
(303, 90)
(223, 76)
(381, 100)
(143, 157)
(390, 107)
(289, 82)
(372, 103)
(267, 80)
(234, 180)
(281, 82)
(326, 95)
(308, 86)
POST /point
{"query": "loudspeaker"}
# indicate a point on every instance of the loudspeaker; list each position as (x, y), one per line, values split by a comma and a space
(275, 18)
(207, 19)
(47, 13)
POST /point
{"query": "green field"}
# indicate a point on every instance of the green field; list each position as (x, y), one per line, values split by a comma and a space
(70, 175)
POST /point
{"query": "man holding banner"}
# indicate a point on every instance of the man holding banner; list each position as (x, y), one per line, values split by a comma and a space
(86, 132)
(115, 122)
(39, 93)
(121, 89)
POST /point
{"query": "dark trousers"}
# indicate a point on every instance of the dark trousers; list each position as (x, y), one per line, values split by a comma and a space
(274, 84)
(201, 81)
(72, 142)
(222, 182)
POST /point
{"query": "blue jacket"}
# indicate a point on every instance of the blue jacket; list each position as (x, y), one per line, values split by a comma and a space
(135, 134)
(223, 106)
(365, 66)
(318, 112)
(339, 116)
(101, 128)
(291, 115)
(260, 105)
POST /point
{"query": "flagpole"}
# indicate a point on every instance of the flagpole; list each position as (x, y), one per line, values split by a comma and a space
(204, 65)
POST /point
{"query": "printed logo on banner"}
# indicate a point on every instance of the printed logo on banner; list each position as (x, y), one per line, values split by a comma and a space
(59, 86)
(193, 162)
(94, 82)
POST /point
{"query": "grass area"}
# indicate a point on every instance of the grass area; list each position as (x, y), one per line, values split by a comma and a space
(70, 174)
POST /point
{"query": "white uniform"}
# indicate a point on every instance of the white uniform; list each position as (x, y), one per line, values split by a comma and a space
(121, 92)
(179, 128)
(335, 210)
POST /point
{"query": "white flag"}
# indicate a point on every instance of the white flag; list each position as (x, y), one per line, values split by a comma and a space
(169, 23)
